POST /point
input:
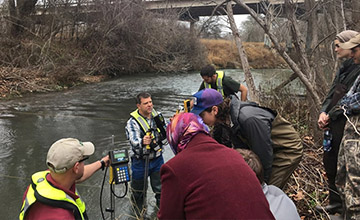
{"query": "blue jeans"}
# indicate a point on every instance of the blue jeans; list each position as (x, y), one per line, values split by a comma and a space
(137, 182)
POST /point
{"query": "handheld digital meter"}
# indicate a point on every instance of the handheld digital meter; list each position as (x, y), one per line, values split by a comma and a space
(119, 164)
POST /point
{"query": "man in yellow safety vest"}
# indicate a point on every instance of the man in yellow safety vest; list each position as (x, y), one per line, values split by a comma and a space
(52, 193)
(224, 84)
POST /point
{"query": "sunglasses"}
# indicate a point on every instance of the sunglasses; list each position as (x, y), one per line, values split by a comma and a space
(82, 160)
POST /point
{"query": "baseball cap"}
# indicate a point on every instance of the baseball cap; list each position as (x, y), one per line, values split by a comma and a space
(206, 98)
(64, 153)
(353, 42)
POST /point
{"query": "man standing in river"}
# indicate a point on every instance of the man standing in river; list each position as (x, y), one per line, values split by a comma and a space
(145, 129)
(224, 84)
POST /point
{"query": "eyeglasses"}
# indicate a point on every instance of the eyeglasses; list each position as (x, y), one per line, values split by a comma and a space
(82, 160)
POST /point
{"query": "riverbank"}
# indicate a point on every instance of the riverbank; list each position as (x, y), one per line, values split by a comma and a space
(16, 82)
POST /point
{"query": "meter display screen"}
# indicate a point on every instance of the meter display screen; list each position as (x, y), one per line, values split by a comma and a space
(119, 155)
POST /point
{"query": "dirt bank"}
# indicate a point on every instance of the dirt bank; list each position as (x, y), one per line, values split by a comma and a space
(16, 82)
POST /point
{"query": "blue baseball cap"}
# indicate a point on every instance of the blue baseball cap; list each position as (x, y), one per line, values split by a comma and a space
(204, 99)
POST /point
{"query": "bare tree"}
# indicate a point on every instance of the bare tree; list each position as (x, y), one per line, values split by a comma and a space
(254, 96)
(302, 68)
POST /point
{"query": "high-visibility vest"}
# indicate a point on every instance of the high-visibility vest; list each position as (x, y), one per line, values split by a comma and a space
(219, 83)
(146, 127)
(40, 190)
(141, 120)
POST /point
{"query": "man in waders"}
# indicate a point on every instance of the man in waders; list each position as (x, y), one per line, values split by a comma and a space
(52, 193)
(145, 131)
(260, 129)
(224, 84)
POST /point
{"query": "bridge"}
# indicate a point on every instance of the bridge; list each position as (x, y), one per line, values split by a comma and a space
(192, 10)
(188, 10)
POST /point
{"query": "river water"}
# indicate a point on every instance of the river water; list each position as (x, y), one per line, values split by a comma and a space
(96, 113)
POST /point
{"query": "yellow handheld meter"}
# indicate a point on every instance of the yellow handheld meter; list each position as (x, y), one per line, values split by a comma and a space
(186, 107)
(119, 164)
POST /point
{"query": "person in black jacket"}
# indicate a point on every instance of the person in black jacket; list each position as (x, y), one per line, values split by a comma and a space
(332, 119)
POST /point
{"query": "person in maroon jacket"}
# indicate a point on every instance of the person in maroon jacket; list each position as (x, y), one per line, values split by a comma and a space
(207, 180)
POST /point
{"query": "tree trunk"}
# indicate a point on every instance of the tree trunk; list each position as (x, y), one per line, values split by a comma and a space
(13, 21)
(254, 96)
(355, 15)
(312, 36)
(284, 83)
(343, 15)
(303, 70)
(19, 15)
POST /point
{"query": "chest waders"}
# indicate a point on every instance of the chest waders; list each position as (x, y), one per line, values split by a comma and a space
(148, 131)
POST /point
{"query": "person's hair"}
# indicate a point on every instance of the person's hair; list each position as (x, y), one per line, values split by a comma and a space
(142, 95)
(208, 70)
(254, 163)
(223, 114)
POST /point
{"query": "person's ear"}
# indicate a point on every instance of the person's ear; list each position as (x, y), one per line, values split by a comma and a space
(215, 109)
(76, 167)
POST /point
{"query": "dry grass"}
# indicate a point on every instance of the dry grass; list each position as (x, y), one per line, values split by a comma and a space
(223, 53)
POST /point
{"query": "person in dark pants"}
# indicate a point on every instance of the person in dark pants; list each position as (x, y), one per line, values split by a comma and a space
(144, 120)
(331, 117)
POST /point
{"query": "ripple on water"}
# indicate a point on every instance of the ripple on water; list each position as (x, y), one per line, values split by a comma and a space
(7, 138)
(4, 115)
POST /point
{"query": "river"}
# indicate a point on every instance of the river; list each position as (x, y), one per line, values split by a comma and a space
(96, 113)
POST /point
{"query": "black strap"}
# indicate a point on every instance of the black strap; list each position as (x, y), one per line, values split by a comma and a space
(160, 123)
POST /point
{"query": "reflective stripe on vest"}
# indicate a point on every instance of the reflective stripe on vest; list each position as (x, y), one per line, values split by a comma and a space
(41, 190)
(141, 120)
(219, 83)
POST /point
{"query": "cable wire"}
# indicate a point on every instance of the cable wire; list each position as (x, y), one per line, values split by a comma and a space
(101, 191)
